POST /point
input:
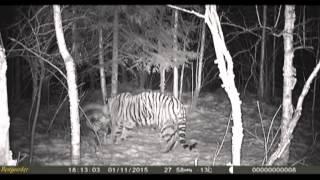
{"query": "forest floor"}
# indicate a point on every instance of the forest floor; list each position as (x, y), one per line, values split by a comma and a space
(209, 125)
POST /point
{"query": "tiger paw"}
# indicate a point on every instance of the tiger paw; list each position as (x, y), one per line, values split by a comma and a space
(123, 137)
(192, 146)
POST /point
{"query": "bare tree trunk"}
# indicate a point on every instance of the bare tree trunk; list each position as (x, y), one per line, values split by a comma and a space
(273, 66)
(283, 147)
(162, 72)
(289, 117)
(200, 66)
(114, 78)
(304, 26)
(35, 118)
(225, 65)
(175, 47)
(5, 153)
(101, 64)
(182, 73)
(72, 87)
(289, 81)
(162, 68)
(192, 80)
(75, 53)
(181, 81)
(314, 100)
(34, 73)
(75, 39)
(262, 79)
(315, 87)
(75, 45)
(162, 79)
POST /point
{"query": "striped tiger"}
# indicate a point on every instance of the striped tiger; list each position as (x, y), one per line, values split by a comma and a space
(149, 109)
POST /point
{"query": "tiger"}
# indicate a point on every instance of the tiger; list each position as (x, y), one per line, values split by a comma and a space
(149, 109)
(95, 119)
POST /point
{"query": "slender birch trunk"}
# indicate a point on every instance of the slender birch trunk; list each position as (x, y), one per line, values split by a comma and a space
(114, 78)
(101, 68)
(175, 47)
(162, 79)
(289, 80)
(274, 57)
(72, 87)
(225, 65)
(35, 119)
(182, 73)
(262, 78)
(199, 66)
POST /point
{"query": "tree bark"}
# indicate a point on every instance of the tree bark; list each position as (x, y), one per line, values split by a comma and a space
(101, 68)
(192, 80)
(315, 84)
(5, 153)
(225, 65)
(162, 68)
(304, 26)
(175, 47)
(75, 46)
(34, 73)
(35, 119)
(200, 66)
(114, 78)
(273, 65)
(162, 79)
(181, 81)
(75, 39)
(182, 70)
(72, 87)
(262, 78)
(289, 80)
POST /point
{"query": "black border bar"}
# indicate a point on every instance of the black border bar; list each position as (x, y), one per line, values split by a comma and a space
(159, 170)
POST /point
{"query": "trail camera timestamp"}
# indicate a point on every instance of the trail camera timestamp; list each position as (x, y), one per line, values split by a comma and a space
(84, 170)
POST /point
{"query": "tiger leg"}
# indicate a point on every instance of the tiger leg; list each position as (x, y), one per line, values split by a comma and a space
(116, 131)
(124, 134)
(168, 138)
(127, 126)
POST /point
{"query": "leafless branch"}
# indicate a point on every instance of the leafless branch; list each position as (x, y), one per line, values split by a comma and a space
(244, 29)
(258, 16)
(187, 11)
(303, 47)
(276, 23)
(39, 56)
